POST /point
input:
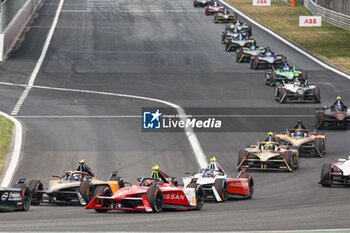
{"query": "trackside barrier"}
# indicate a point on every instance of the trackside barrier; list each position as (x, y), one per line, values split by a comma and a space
(13, 30)
(329, 16)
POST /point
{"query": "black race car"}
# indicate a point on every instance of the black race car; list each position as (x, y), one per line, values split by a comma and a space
(202, 3)
(17, 198)
(335, 116)
(267, 60)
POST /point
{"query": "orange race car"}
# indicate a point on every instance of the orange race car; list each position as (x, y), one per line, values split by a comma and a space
(73, 186)
(307, 143)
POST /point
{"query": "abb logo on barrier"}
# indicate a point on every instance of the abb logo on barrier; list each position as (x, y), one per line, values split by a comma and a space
(261, 2)
(310, 21)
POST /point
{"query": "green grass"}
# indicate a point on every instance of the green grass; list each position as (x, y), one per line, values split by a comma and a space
(5, 139)
(329, 42)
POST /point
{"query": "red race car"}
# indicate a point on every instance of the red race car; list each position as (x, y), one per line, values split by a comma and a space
(211, 9)
(149, 194)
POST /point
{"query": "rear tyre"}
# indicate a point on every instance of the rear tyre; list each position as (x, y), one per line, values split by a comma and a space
(222, 189)
(317, 95)
(26, 198)
(289, 159)
(37, 188)
(104, 191)
(250, 183)
(255, 64)
(240, 159)
(155, 198)
(199, 194)
(86, 190)
(325, 174)
(321, 147)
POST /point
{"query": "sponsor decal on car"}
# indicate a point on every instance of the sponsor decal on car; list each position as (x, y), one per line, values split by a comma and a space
(238, 184)
(174, 196)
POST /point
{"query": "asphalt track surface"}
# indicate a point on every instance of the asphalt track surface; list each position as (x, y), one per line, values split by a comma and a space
(171, 51)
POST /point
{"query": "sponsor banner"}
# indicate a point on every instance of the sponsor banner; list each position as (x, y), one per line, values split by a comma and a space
(226, 119)
(261, 2)
(310, 21)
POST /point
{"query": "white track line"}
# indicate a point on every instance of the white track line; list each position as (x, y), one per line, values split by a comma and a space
(318, 61)
(16, 150)
(40, 61)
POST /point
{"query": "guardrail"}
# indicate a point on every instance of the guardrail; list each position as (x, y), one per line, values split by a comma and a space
(329, 16)
(8, 9)
(13, 28)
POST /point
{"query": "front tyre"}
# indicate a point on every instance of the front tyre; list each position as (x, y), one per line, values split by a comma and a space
(199, 194)
(155, 198)
(222, 189)
(250, 184)
(103, 191)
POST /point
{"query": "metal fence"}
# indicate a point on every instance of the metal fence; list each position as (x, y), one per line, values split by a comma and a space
(341, 6)
(328, 15)
(8, 9)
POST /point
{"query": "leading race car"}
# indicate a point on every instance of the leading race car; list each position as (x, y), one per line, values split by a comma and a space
(211, 9)
(218, 185)
(244, 54)
(72, 187)
(267, 60)
(150, 194)
(297, 92)
(336, 173)
(284, 73)
(202, 3)
(242, 27)
(306, 142)
(335, 116)
(268, 155)
(241, 40)
(225, 17)
(16, 198)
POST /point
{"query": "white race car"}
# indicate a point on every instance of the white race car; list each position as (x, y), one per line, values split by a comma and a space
(336, 173)
(297, 92)
(218, 185)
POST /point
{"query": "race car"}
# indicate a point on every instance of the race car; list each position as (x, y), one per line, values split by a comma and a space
(335, 116)
(72, 187)
(218, 185)
(268, 155)
(16, 198)
(241, 27)
(225, 17)
(297, 92)
(306, 142)
(244, 54)
(267, 60)
(227, 34)
(240, 41)
(284, 73)
(336, 173)
(211, 9)
(201, 3)
(150, 194)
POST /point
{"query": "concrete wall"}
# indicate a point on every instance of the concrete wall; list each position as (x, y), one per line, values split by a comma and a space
(14, 29)
(341, 6)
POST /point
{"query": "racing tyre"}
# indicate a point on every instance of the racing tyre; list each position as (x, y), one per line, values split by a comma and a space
(26, 198)
(267, 77)
(86, 190)
(155, 198)
(250, 183)
(199, 194)
(325, 175)
(255, 63)
(222, 189)
(320, 147)
(250, 31)
(223, 37)
(282, 98)
(273, 78)
(195, 4)
(317, 95)
(36, 187)
(319, 122)
(104, 191)
(215, 18)
(206, 11)
(240, 158)
(289, 159)
(227, 46)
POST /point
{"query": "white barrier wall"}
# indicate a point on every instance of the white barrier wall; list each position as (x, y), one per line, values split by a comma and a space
(11, 33)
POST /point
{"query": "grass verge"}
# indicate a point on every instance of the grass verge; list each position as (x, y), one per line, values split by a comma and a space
(5, 139)
(329, 42)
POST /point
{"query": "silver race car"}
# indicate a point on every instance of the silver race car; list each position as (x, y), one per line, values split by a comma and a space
(335, 116)
(234, 43)
(336, 173)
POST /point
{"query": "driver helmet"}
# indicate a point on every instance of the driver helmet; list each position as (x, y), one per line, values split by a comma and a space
(225, 11)
(240, 36)
(209, 174)
(268, 54)
(238, 23)
(236, 30)
(286, 67)
(215, 4)
(252, 47)
(338, 98)
(82, 161)
(76, 176)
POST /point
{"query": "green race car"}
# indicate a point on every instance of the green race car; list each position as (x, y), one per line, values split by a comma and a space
(284, 74)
